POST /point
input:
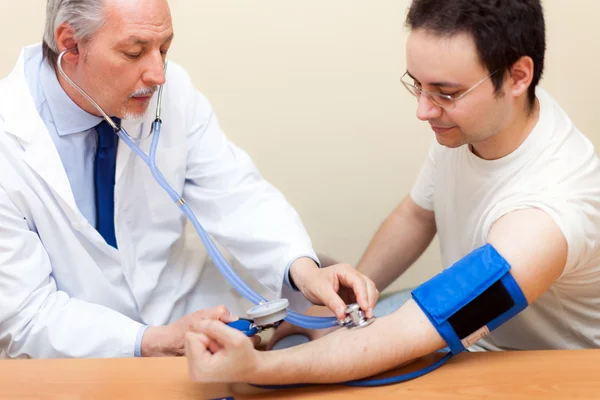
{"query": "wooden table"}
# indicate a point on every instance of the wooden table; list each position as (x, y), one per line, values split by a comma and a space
(514, 375)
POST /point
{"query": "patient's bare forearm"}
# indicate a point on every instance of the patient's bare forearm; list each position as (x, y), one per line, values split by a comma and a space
(349, 354)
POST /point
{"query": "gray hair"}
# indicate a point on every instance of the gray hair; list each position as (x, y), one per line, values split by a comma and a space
(86, 17)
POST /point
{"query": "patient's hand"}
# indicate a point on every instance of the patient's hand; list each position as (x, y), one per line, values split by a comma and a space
(218, 353)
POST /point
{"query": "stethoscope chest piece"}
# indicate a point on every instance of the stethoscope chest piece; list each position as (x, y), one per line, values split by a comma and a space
(355, 317)
(270, 313)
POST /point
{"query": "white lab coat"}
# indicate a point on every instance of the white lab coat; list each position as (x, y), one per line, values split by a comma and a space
(64, 292)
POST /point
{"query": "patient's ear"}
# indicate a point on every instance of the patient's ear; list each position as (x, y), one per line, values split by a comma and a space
(521, 75)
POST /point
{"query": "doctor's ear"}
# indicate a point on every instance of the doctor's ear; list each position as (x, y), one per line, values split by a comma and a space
(65, 39)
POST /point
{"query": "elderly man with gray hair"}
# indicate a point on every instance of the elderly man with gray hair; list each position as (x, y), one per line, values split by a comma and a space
(94, 261)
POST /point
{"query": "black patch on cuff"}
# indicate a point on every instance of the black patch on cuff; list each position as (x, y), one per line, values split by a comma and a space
(488, 306)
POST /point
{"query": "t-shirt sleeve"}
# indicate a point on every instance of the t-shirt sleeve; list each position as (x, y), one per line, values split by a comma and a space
(576, 225)
(423, 191)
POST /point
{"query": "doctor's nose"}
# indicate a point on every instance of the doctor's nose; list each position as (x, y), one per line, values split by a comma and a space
(426, 109)
(155, 73)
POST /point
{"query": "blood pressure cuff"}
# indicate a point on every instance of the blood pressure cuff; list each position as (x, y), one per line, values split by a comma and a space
(471, 298)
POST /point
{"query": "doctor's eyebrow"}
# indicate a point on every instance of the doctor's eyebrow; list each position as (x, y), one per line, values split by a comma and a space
(139, 41)
(438, 84)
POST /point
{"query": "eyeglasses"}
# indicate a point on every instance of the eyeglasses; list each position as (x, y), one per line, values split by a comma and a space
(446, 101)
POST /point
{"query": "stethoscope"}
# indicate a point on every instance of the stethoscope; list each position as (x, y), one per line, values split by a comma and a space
(265, 314)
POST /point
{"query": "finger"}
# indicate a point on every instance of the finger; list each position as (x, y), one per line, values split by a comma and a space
(373, 294)
(220, 313)
(213, 346)
(195, 340)
(197, 352)
(350, 278)
(347, 295)
(221, 333)
(332, 301)
(229, 317)
(255, 340)
(209, 343)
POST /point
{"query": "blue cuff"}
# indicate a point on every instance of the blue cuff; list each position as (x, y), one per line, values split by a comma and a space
(286, 276)
(138, 341)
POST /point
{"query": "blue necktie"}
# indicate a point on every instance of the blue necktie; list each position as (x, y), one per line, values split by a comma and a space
(104, 181)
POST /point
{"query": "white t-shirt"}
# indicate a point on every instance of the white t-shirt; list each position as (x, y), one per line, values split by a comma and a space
(556, 170)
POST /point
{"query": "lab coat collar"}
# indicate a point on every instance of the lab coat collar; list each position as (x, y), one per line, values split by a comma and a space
(17, 107)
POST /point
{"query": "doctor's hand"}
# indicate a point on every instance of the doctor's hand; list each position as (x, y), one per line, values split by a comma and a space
(169, 340)
(335, 286)
(218, 353)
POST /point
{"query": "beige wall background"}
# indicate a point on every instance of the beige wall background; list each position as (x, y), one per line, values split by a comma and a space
(310, 88)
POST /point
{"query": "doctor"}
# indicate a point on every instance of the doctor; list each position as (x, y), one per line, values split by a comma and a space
(93, 257)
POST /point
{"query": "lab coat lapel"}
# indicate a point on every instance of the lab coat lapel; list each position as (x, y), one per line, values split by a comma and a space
(22, 120)
(41, 155)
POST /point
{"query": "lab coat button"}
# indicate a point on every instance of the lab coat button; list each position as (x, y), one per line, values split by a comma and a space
(75, 225)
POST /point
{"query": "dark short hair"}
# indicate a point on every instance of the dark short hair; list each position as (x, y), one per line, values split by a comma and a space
(503, 31)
